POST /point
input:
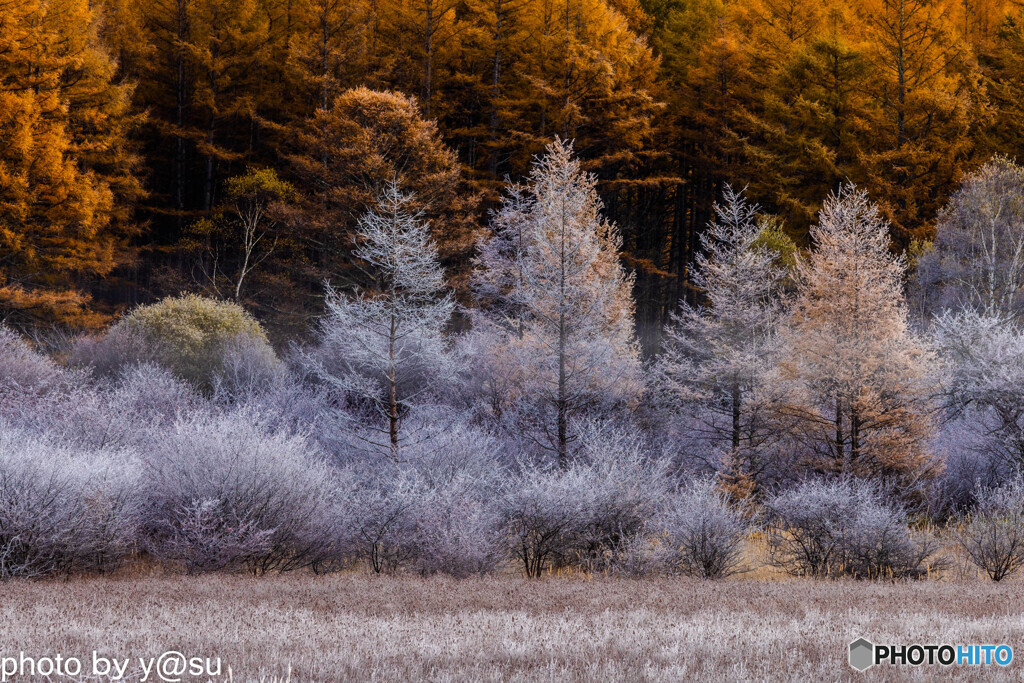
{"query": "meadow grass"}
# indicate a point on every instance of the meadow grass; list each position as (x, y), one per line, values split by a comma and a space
(355, 626)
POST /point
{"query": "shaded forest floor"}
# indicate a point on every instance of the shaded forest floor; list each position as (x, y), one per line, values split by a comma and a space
(358, 627)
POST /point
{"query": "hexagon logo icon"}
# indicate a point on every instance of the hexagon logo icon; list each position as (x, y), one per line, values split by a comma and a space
(862, 654)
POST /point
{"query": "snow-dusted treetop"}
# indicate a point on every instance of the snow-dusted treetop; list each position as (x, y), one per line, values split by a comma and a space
(551, 278)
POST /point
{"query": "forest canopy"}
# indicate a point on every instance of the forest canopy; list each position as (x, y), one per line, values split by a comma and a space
(152, 148)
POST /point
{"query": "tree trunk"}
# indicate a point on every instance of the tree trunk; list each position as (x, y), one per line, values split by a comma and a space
(563, 407)
(429, 59)
(496, 87)
(211, 128)
(901, 77)
(181, 102)
(393, 390)
(563, 338)
(854, 436)
(839, 450)
(324, 56)
(736, 399)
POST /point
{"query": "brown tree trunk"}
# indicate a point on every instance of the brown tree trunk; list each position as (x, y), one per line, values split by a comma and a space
(839, 450)
(496, 86)
(854, 436)
(181, 103)
(429, 65)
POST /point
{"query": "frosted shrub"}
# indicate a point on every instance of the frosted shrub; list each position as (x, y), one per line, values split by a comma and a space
(113, 414)
(63, 511)
(992, 536)
(312, 411)
(880, 546)
(842, 528)
(587, 514)
(458, 526)
(458, 534)
(249, 368)
(30, 383)
(435, 512)
(385, 523)
(806, 526)
(111, 501)
(106, 355)
(84, 418)
(267, 492)
(539, 511)
(338, 545)
(629, 488)
(206, 537)
(153, 395)
(702, 535)
(22, 370)
(969, 463)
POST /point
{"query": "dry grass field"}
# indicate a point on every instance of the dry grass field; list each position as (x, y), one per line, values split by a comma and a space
(360, 627)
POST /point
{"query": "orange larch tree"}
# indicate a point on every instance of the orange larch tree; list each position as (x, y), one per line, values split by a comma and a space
(67, 172)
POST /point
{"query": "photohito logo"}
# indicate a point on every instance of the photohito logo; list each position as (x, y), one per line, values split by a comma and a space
(865, 654)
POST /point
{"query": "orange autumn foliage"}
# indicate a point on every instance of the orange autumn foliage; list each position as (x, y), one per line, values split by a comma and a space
(67, 178)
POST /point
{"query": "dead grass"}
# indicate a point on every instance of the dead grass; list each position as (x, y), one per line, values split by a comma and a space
(360, 627)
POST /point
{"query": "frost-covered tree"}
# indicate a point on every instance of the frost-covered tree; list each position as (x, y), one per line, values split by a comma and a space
(983, 379)
(493, 380)
(977, 259)
(386, 348)
(553, 275)
(498, 278)
(64, 509)
(719, 357)
(858, 373)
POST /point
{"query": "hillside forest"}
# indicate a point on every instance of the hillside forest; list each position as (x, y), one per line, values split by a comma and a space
(229, 147)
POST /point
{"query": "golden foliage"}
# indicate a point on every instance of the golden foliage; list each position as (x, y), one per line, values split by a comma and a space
(67, 177)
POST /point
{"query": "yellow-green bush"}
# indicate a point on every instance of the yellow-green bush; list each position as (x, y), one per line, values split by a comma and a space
(190, 334)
